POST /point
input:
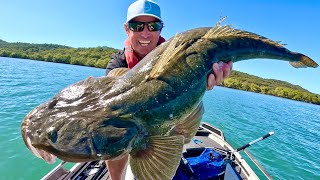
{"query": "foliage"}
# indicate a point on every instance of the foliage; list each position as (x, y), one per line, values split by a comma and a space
(247, 82)
(100, 56)
(94, 57)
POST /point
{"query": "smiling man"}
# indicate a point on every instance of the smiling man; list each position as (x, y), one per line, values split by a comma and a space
(143, 28)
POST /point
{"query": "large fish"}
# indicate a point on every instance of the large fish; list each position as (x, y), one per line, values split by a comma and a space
(150, 111)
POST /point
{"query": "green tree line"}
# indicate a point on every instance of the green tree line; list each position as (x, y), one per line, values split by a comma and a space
(247, 82)
(100, 56)
(94, 57)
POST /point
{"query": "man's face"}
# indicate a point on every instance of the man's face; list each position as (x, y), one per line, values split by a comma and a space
(145, 41)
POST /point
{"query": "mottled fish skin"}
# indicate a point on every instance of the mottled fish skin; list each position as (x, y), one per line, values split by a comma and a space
(149, 111)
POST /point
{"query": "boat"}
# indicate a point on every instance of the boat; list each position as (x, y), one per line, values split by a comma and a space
(207, 156)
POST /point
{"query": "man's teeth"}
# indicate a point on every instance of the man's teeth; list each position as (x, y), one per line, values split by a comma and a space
(144, 43)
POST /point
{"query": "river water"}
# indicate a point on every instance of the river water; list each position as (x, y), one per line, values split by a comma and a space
(292, 153)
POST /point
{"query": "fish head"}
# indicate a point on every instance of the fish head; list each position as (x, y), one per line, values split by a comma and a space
(77, 140)
(29, 137)
(75, 127)
(46, 134)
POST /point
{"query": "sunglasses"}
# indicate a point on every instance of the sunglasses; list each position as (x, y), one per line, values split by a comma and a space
(139, 26)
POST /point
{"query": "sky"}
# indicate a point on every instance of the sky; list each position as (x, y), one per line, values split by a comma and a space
(92, 23)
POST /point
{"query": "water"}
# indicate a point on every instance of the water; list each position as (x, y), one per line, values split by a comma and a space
(292, 153)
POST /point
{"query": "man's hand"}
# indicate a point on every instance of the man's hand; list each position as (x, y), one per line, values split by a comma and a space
(221, 71)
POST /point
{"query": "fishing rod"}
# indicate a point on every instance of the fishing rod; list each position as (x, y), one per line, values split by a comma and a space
(253, 142)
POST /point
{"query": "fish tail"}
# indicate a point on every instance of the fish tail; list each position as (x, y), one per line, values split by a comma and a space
(160, 160)
(304, 61)
(259, 46)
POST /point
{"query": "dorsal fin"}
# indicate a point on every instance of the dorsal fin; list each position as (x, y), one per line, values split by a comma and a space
(219, 31)
(171, 52)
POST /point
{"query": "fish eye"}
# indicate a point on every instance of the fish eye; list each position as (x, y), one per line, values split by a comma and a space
(52, 104)
(52, 134)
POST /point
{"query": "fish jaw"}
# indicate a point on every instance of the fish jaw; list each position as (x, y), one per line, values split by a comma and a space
(75, 141)
(49, 158)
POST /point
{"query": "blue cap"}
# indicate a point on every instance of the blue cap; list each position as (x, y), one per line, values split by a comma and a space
(143, 8)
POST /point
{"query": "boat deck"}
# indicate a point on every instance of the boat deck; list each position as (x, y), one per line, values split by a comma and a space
(207, 136)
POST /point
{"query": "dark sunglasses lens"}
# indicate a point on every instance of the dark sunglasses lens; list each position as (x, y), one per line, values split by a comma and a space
(154, 26)
(139, 26)
(136, 26)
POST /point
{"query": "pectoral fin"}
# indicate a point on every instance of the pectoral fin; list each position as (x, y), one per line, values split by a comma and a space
(117, 72)
(189, 126)
(160, 160)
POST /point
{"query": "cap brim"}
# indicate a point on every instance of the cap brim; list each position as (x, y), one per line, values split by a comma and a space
(144, 14)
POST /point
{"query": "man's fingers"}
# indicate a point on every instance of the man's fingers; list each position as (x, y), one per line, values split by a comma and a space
(211, 81)
(218, 73)
(227, 69)
(221, 71)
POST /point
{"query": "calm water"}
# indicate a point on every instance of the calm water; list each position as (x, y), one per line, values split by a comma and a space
(292, 153)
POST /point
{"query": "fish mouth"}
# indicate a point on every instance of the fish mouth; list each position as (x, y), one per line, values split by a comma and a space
(49, 158)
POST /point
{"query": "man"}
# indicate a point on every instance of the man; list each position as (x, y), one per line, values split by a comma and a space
(143, 27)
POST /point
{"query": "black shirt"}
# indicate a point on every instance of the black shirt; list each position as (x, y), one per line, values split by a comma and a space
(117, 60)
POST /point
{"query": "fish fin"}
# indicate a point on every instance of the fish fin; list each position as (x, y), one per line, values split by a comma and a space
(219, 31)
(172, 52)
(304, 62)
(190, 125)
(104, 80)
(98, 83)
(117, 72)
(160, 160)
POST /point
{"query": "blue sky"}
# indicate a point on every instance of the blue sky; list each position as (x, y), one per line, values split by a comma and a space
(91, 23)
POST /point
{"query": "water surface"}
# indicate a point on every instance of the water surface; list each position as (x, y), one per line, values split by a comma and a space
(292, 153)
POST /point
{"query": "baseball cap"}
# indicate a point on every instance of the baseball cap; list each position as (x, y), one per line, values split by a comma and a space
(143, 8)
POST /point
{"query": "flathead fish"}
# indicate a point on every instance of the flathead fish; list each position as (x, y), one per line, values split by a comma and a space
(150, 111)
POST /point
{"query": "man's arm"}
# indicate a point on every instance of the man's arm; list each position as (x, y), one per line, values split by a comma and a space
(221, 70)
